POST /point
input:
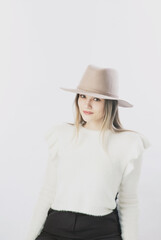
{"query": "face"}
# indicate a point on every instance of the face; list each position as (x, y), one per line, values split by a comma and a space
(93, 105)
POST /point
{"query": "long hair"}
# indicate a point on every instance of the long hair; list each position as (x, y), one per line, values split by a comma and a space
(111, 117)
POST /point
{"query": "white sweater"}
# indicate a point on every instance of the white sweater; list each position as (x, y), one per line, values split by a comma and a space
(85, 177)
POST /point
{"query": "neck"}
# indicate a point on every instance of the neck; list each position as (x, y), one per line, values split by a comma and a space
(92, 126)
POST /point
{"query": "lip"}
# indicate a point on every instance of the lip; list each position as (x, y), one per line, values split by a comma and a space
(87, 112)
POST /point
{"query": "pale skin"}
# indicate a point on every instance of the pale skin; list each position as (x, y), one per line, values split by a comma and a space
(94, 105)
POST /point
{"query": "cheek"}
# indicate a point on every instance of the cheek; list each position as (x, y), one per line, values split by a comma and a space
(79, 102)
(101, 109)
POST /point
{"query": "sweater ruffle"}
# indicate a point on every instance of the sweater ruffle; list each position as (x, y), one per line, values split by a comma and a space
(138, 145)
(52, 139)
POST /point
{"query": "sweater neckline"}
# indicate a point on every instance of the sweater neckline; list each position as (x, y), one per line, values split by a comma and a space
(91, 130)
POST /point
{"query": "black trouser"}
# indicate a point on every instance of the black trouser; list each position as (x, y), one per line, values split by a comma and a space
(68, 225)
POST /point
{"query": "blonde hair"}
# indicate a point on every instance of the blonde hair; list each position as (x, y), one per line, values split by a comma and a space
(111, 117)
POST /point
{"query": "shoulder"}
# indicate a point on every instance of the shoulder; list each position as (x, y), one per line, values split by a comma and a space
(56, 129)
(129, 144)
(54, 135)
(131, 137)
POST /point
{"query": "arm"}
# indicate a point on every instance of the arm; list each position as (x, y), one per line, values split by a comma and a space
(47, 192)
(45, 199)
(128, 202)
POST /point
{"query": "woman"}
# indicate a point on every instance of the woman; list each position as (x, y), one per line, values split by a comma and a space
(90, 187)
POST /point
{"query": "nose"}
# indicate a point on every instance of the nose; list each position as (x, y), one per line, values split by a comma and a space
(88, 103)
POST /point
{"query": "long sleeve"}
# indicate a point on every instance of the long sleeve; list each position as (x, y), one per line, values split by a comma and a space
(128, 200)
(47, 191)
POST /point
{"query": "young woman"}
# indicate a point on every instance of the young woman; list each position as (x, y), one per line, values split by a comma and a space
(91, 183)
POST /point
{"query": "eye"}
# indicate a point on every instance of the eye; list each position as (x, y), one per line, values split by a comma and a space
(97, 99)
(81, 95)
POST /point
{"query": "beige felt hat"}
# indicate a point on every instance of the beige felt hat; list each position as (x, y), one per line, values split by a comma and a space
(101, 83)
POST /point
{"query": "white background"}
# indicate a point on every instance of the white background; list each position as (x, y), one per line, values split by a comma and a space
(47, 44)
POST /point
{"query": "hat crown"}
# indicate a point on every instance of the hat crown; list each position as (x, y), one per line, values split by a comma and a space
(100, 80)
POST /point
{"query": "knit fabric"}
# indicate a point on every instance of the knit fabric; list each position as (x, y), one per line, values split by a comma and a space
(85, 176)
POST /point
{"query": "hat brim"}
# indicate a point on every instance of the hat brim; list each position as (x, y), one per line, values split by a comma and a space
(121, 102)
